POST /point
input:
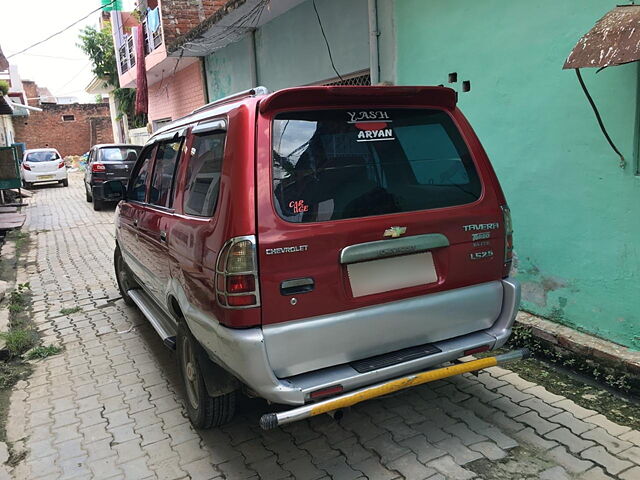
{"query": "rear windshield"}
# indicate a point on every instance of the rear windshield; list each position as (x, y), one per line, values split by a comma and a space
(339, 164)
(47, 156)
(119, 154)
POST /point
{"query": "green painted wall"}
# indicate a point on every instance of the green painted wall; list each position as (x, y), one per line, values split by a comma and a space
(228, 70)
(576, 214)
(290, 49)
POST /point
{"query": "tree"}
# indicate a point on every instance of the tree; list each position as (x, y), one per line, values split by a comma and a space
(98, 45)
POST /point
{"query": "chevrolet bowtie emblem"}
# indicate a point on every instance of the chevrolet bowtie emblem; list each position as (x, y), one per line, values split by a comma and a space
(395, 232)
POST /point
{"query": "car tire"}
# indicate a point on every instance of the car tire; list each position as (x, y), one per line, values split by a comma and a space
(65, 182)
(124, 277)
(97, 203)
(87, 194)
(27, 185)
(204, 411)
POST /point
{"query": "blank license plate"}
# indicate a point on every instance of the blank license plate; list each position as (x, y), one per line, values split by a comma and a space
(386, 274)
(45, 177)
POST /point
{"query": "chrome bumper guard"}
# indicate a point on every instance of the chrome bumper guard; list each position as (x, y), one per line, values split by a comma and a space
(243, 353)
(272, 420)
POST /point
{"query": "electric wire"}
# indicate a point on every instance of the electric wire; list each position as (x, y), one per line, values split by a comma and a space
(326, 41)
(623, 162)
(61, 31)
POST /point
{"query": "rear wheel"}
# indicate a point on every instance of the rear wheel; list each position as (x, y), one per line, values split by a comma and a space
(124, 277)
(27, 185)
(204, 411)
(87, 194)
(97, 203)
(65, 182)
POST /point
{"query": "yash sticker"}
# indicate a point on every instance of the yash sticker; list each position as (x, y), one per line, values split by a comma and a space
(373, 126)
(298, 206)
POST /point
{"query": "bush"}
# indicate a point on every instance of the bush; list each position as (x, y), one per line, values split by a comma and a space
(19, 341)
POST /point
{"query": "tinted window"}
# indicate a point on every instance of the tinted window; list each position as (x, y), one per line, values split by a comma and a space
(203, 174)
(338, 164)
(138, 185)
(119, 154)
(47, 156)
(163, 173)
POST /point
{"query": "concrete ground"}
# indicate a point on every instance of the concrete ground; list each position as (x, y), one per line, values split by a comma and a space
(110, 405)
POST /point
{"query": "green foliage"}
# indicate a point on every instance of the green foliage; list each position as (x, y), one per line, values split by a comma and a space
(69, 311)
(20, 238)
(126, 100)
(9, 375)
(4, 87)
(17, 298)
(98, 45)
(43, 352)
(19, 341)
(523, 337)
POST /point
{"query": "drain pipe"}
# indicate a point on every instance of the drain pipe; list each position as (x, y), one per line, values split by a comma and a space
(374, 63)
(253, 60)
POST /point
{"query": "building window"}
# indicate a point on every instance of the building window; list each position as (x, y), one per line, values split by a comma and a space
(362, 77)
(158, 124)
(68, 118)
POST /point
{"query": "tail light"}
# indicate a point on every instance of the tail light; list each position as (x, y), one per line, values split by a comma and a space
(237, 274)
(508, 240)
(26, 167)
(98, 167)
(61, 164)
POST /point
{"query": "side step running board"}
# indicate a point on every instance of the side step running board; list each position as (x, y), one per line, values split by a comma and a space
(158, 319)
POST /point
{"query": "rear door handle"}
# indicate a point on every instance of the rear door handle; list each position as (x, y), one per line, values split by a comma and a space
(135, 223)
(163, 236)
(296, 286)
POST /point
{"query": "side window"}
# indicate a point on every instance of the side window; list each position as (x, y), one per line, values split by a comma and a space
(138, 182)
(203, 174)
(163, 173)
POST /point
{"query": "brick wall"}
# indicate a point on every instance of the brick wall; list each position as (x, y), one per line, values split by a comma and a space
(178, 95)
(180, 16)
(31, 89)
(92, 125)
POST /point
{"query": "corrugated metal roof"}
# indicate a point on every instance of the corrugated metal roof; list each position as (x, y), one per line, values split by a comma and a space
(614, 40)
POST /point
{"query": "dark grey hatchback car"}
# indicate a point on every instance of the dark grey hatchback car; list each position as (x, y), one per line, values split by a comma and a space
(108, 161)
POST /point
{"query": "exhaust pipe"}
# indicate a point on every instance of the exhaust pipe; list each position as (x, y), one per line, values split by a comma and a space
(272, 420)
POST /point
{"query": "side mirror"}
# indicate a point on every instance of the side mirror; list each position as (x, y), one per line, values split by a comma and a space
(114, 191)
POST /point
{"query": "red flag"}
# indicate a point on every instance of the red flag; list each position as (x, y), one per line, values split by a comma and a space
(142, 94)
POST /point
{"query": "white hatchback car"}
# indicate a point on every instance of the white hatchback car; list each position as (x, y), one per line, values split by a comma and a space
(41, 165)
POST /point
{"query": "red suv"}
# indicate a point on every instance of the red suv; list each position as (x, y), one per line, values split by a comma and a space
(314, 241)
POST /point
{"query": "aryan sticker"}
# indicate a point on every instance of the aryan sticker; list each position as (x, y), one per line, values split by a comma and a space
(372, 126)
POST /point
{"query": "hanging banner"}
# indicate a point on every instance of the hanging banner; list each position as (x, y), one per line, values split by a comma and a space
(111, 5)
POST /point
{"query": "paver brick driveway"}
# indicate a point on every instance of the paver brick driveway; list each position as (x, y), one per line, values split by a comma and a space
(110, 406)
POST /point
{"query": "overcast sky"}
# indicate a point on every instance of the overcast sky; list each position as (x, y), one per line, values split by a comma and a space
(58, 63)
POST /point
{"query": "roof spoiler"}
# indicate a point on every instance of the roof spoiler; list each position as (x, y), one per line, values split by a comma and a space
(377, 96)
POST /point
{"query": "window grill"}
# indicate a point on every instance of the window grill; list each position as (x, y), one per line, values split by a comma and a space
(353, 79)
(123, 56)
(132, 54)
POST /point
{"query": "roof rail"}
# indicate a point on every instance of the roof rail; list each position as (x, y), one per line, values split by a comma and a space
(236, 96)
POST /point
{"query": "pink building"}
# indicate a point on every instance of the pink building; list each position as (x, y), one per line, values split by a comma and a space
(176, 82)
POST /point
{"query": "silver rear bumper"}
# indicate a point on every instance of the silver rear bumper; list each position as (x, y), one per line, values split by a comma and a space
(311, 344)
(243, 353)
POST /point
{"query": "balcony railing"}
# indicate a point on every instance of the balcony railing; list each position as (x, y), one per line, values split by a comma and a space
(126, 52)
